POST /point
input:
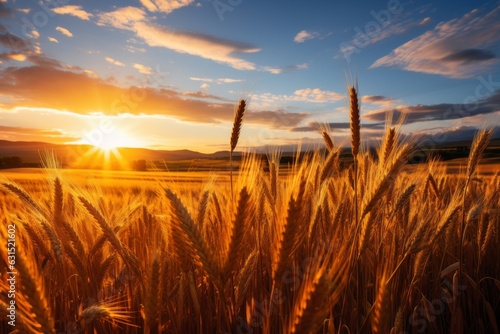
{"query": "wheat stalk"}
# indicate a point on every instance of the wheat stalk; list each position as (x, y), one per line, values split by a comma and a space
(235, 135)
(238, 232)
(188, 235)
(328, 141)
(355, 121)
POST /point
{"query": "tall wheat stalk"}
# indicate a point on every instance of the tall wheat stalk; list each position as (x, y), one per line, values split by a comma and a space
(355, 144)
(479, 144)
(235, 135)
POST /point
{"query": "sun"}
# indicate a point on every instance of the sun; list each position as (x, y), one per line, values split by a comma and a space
(114, 140)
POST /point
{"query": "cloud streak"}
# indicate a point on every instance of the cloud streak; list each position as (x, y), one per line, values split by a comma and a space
(439, 112)
(209, 47)
(165, 6)
(304, 35)
(14, 133)
(441, 50)
(72, 10)
(64, 31)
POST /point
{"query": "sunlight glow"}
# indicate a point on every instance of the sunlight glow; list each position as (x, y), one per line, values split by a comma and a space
(113, 140)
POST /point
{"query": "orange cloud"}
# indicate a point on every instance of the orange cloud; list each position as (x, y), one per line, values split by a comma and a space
(166, 6)
(80, 93)
(76, 11)
(114, 62)
(64, 31)
(16, 133)
(200, 45)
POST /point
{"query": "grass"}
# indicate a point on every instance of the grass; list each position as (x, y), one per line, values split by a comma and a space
(376, 247)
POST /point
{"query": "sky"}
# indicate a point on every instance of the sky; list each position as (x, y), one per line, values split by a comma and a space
(167, 74)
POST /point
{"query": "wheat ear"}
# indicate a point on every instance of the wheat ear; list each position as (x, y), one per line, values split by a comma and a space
(328, 141)
(187, 236)
(355, 121)
(235, 135)
(238, 231)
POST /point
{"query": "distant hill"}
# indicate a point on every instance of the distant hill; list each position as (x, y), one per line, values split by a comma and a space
(84, 155)
(87, 156)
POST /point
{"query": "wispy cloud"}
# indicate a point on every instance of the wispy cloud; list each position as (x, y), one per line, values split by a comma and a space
(64, 31)
(143, 69)
(459, 48)
(13, 56)
(305, 35)
(396, 24)
(204, 46)
(316, 95)
(307, 95)
(314, 126)
(277, 119)
(52, 39)
(438, 112)
(450, 134)
(16, 133)
(165, 6)
(217, 81)
(122, 18)
(114, 62)
(73, 10)
(378, 100)
(196, 44)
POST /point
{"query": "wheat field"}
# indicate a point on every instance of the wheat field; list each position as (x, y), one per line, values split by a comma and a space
(323, 247)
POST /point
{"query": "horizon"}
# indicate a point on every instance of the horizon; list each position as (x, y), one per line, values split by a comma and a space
(166, 75)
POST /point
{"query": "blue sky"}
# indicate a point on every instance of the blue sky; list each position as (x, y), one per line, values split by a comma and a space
(167, 74)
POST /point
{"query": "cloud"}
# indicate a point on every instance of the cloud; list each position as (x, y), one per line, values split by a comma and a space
(276, 119)
(443, 135)
(375, 31)
(52, 39)
(13, 42)
(439, 112)
(204, 86)
(425, 21)
(30, 88)
(459, 48)
(13, 56)
(217, 81)
(469, 55)
(64, 31)
(378, 99)
(72, 10)
(304, 35)
(203, 95)
(122, 18)
(34, 34)
(307, 95)
(316, 95)
(143, 69)
(15, 133)
(114, 62)
(165, 6)
(316, 126)
(196, 44)
(204, 46)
